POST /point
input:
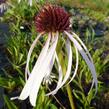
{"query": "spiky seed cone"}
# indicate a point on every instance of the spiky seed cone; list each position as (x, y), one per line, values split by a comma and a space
(52, 18)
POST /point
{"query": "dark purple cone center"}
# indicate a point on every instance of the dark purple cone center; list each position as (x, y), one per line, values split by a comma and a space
(52, 18)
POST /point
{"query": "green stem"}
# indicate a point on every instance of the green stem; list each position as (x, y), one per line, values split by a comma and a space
(69, 92)
(70, 96)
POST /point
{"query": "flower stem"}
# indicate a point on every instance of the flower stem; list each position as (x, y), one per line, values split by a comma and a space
(68, 88)
(69, 92)
(70, 96)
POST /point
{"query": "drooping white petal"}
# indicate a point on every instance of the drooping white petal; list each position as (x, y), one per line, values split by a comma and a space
(87, 52)
(52, 61)
(14, 98)
(92, 87)
(60, 77)
(84, 47)
(61, 83)
(42, 72)
(50, 66)
(27, 72)
(76, 68)
(28, 86)
(55, 56)
(85, 57)
(69, 53)
(59, 71)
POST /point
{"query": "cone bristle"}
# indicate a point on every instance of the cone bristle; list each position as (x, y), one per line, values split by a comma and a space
(52, 18)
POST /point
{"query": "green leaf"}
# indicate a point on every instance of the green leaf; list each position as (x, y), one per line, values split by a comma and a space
(10, 104)
(52, 106)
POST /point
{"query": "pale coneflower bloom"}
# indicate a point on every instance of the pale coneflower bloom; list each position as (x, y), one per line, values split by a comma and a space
(53, 20)
(3, 5)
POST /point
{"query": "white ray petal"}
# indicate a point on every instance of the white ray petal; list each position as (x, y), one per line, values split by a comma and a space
(86, 50)
(59, 71)
(60, 77)
(14, 98)
(84, 47)
(76, 68)
(26, 90)
(69, 53)
(61, 83)
(42, 72)
(52, 61)
(27, 72)
(50, 66)
(85, 57)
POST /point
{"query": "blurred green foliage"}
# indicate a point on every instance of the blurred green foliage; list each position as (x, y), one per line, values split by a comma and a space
(20, 18)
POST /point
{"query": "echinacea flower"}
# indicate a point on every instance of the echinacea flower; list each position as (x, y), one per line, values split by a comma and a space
(53, 20)
(3, 5)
